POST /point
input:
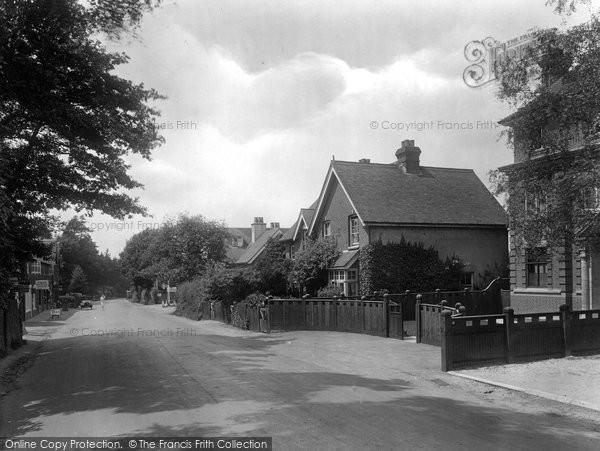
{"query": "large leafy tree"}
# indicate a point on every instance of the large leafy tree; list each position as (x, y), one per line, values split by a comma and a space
(179, 251)
(67, 121)
(78, 249)
(553, 190)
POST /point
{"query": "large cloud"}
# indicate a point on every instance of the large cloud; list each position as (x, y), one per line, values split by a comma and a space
(262, 94)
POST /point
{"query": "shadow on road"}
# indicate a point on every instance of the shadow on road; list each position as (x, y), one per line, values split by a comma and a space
(218, 385)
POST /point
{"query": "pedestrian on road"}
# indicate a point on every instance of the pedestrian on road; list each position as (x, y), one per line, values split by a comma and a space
(102, 301)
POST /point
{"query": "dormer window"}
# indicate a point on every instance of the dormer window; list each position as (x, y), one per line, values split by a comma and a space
(326, 229)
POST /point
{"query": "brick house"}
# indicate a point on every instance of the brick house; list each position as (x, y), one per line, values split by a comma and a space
(544, 278)
(449, 209)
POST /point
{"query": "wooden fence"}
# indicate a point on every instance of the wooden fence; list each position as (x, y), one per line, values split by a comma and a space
(477, 302)
(508, 338)
(366, 316)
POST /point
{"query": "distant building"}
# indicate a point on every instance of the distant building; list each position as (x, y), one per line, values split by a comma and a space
(247, 244)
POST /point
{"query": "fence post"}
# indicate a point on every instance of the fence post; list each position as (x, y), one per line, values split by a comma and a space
(509, 322)
(446, 336)
(418, 317)
(386, 318)
(565, 319)
(335, 313)
(283, 310)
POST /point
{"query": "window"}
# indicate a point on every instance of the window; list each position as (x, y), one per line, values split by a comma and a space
(590, 198)
(536, 203)
(36, 267)
(304, 239)
(466, 280)
(346, 280)
(353, 227)
(536, 262)
(326, 229)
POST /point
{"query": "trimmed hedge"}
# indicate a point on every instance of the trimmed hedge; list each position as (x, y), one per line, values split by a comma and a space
(397, 267)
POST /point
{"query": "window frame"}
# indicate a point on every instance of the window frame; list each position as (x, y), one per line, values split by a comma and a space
(353, 231)
(536, 267)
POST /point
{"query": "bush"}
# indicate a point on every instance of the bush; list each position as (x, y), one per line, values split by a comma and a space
(397, 267)
(218, 283)
(330, 292)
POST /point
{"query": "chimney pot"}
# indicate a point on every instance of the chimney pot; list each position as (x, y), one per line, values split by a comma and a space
(364, 160)
(258, 228)
(408, 157)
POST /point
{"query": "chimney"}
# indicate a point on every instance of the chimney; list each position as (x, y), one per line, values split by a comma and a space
(274, 225)
(408, 157)
(258, 228)
(364, 160)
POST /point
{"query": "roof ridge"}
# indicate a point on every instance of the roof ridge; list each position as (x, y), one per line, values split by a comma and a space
(392, 165)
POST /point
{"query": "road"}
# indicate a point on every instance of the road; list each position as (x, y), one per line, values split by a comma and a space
(138, 370)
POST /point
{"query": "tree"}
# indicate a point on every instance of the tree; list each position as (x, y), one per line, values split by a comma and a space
(77, 283)
(179, 251)
(309, 271)
(270, 273)
(67, 121)
(553, 189)
(77, 249)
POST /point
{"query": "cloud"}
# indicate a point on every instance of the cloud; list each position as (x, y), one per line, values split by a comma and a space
(261, 97)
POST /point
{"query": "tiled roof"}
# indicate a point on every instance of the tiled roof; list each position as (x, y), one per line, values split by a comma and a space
(384, 193)
(346, 260)
(289, 235)
(258, 246)
(234, 252)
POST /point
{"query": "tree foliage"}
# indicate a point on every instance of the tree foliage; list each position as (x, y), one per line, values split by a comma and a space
(270, 273)
(309, 271)
(77, 281)
(397, 267)
(67, 121)
(179, 251)
(552, 190)
(77, 249)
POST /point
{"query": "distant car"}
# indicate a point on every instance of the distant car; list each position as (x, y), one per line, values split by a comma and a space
(86, 304)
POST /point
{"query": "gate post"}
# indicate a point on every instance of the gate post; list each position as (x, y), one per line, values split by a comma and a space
(386, 315)
(418, 318)
(509, 322)
(446, 338)
(565, 319)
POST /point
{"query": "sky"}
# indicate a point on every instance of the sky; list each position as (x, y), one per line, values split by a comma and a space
(262, 94)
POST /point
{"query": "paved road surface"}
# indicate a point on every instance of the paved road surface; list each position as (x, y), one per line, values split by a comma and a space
(136, 370)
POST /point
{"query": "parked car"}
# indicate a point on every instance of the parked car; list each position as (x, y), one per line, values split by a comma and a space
(65, 302)
(86, 304)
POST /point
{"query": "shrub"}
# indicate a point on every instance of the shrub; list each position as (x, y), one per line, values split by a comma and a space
(218, 283)
(329, 292)
(397, 267)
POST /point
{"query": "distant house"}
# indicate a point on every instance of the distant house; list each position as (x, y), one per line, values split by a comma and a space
(259, 237)
(237, 242)
(295, 238)
(449, 209)
(38, 287)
